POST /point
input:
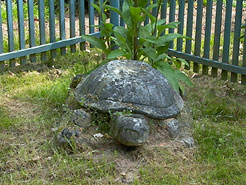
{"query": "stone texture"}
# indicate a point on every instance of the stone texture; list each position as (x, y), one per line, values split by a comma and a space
(173, 127)
(66, 134)
(188, 141)
(130, 130)
(81, 118)
(129, 85)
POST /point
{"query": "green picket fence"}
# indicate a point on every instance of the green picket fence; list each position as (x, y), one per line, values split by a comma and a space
(215, 26)
(37, 35)
(38, 28)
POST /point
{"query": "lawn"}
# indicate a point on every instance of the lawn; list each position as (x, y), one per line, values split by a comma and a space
(32, 103)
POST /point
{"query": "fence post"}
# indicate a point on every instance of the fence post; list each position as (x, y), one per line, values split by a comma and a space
(114, 17)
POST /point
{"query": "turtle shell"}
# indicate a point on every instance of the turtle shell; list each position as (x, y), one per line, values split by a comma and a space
(129, 85)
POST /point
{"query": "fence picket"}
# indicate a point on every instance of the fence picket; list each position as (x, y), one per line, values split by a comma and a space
(62, 24)
(164, 9)
(206, 54)
(21, 30)
(227, 36)
(147, 18)
(154, 11)
(197, 51)
(82, 21)
(122, 23)
(101, 8)
(181, 24)
(189, 29)
(11, 44)
(114, 17)
(52, 26)
(91, 17)
(31, 28)
(72, 23)
(41, 16)
(172, 4)
(236, 42)
(217, 33)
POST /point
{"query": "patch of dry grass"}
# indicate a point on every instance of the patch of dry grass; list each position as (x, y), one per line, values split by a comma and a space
(31, 103)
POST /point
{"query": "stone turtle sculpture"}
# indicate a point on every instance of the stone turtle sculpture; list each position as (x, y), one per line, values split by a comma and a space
(134, 87)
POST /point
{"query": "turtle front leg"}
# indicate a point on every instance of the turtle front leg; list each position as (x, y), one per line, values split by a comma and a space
(130, 130)
(81, 118)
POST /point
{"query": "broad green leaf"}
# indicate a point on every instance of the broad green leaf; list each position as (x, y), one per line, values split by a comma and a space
(173, 76)
(104, 17)
(121, 41)
(114, 9)
(162, 28)
(97, 8)
(142, 3)
(106, 29)
(115, 53)
(121, 35)
(163, 40)
(121, 30)
(183, 61)
(167, 70)
(145, 31)
(176, 63)
(151, 17)
(161, 22)
(162, 49)
(169, 37)
(105, 3)
(95, 41)
(126, 16)
(108, 26)
(150, 7)
(150, 52)
(142, 18)
(135, 13)
(125, 6)
(161, 57)
(181, 76)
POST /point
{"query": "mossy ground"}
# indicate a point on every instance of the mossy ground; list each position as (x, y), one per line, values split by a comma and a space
(31, 107)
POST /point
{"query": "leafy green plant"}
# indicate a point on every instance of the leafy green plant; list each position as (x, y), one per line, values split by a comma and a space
(137, 41)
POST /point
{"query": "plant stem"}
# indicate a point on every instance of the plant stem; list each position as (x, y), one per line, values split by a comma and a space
(157, 13)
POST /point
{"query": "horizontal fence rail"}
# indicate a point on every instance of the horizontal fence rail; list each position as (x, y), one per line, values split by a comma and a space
(37, 28)
(34, 30)
(215, 27)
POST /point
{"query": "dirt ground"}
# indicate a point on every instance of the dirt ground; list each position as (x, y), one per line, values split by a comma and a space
(127, 160)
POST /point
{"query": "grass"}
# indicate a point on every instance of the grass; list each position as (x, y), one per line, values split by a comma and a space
(31, 109)
(5, 120)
